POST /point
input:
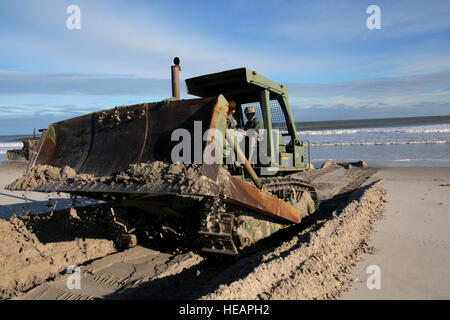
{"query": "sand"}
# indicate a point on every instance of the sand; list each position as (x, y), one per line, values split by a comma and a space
(35, 248)
(152, 176)
(315, 262)
(22, 202)
(26, 260)
(412, 240)
(324, 261)
(312, 264)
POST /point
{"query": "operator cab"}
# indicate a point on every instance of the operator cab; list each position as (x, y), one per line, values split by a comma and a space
(270, 100)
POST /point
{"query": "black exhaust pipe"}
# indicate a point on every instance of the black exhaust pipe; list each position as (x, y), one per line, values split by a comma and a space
(176, 78)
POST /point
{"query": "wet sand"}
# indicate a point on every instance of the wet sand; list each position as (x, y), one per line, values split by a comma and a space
(412, 239)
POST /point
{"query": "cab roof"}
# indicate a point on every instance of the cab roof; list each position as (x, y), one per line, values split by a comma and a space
(243, 85)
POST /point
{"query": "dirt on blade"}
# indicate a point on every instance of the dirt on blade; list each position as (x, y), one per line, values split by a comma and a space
(157, 175)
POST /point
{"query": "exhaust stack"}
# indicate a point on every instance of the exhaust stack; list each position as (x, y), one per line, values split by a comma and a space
(176, 78)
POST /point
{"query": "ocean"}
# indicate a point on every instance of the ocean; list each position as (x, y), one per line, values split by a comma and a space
(418, 141)
(11, 142)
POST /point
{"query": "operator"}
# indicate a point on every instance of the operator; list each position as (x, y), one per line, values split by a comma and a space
(253, 122)
(256, 124)
(231, 120)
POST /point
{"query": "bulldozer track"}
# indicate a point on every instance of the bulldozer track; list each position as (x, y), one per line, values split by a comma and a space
(223, 224)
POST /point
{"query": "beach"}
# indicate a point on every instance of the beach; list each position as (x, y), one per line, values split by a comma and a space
(412, 240)
(399, 222)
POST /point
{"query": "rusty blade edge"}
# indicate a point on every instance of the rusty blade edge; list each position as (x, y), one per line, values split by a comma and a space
(249, 196)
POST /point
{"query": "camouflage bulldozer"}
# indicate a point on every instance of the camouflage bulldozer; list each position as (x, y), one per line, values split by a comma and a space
(125, 156)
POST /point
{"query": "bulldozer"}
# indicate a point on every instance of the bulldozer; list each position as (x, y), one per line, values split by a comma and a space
(130, 157)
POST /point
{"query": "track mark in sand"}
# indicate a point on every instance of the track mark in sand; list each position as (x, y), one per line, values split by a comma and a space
(67, 295)
(43, 292)
(36, 249)
(113, 274)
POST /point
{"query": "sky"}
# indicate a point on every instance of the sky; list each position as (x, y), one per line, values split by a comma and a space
(333, 65)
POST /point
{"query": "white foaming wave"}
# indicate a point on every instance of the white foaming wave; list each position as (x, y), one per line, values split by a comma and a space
(327, 132)
(424, 160)
(377, 143)
(390, 160)
(401, 130)
(11, 144)
(443, 130)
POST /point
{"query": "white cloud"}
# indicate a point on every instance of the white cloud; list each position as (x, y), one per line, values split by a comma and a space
(387, 97)
(32, 83)
(81, 93)
(374, 88)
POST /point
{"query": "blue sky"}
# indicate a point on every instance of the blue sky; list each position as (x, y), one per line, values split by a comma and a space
(332, 64)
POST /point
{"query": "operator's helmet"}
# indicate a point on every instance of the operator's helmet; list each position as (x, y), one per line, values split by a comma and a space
(232, 106)
(250, 110)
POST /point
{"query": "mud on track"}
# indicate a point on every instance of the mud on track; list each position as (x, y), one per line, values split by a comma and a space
(311, 263)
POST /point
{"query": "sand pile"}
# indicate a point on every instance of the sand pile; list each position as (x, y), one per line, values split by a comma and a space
(36, 248)
(158, 174)
(155, 175)
(41, 175)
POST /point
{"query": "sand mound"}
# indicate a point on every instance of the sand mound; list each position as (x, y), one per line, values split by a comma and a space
(41, 175)
(156, 175)
(36, 248)
(315, 263)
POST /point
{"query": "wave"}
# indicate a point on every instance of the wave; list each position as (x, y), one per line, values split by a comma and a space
(327, 132)
(447, 130)
(11, 144)
(317, 161)
(377, 143)
(398, 130)
(424, 160)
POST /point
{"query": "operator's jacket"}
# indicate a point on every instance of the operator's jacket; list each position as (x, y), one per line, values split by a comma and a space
(254, 123)
(231, 122)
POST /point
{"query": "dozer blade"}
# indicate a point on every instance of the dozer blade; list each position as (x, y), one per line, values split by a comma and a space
(104, 143)
(115, 154)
